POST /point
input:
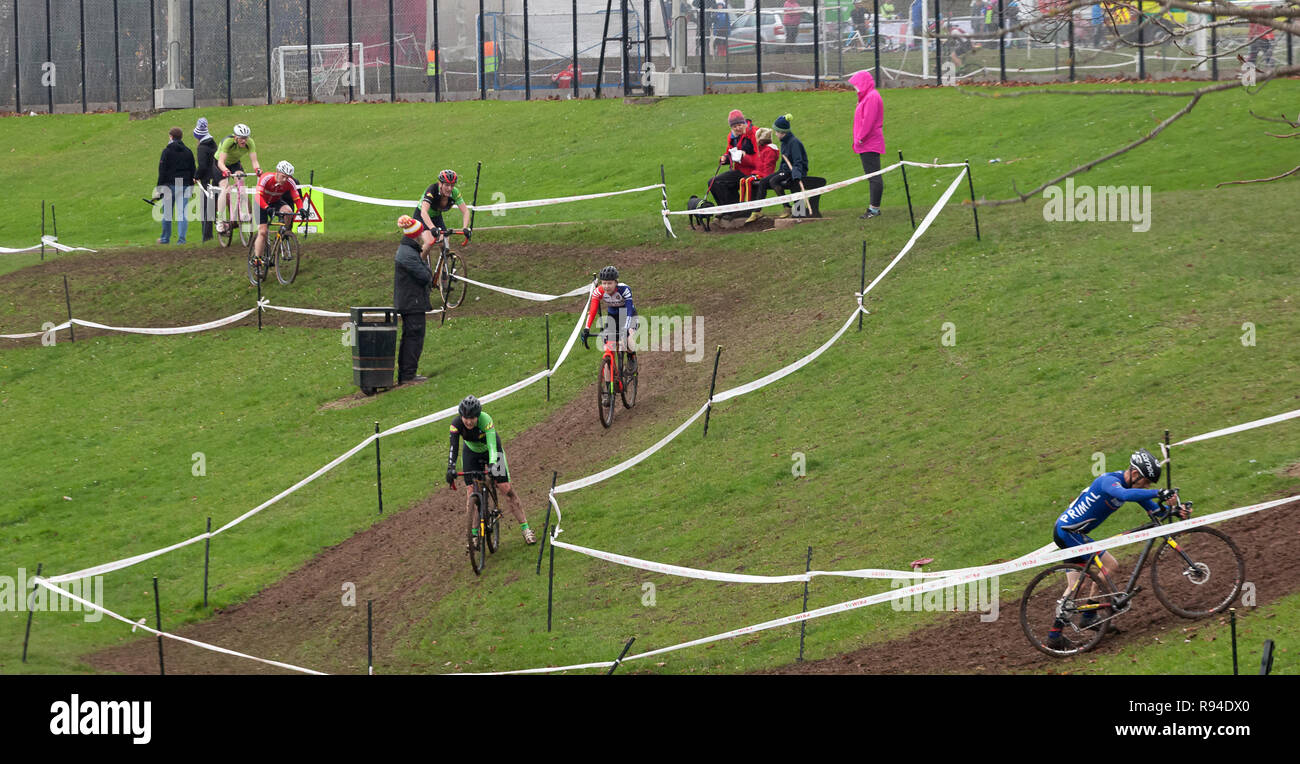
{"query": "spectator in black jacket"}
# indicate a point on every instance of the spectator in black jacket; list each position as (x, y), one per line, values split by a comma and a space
(175, 181)
(208, 174)
(412, 279)
(792, 169)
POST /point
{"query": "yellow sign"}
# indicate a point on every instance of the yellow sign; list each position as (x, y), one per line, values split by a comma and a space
(314, 203)
(432, 70)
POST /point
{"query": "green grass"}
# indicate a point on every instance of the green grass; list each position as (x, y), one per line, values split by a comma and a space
(1071, 339)
(558, 148)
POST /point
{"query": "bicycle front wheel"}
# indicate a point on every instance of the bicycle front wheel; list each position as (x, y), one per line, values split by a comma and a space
(286, 258)
(1198, 572)
(1056, 615)
(244, 219)
(256, 265)
(629, 383)
(605, 395)
(449, 282)
(494, 530)
(476, 545)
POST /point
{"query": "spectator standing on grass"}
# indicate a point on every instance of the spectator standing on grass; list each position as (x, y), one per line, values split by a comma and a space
(858, 17)
(175, 181)
(869, 135)
(412, 279)
(791, 20)
(207, 175)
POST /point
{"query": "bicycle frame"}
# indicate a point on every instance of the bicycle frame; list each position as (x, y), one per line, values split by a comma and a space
(483, 486)
(615, 360)
(1131, 586)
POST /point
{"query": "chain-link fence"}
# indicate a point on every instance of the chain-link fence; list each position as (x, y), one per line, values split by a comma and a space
(88, 55)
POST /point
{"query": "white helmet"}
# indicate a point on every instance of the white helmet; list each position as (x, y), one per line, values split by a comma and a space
(242, 131)
(284, 167)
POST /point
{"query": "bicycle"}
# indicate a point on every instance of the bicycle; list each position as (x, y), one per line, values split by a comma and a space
(1194, 573)
(238, 215)
(281, 248)
(484, 519)
(449, 268)
(615, 376)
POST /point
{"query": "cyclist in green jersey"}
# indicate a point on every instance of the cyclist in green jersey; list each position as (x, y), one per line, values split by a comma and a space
(438, 198)
(230, 156)
(484, 452)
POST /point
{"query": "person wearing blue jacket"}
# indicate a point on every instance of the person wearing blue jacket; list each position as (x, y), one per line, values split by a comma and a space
(1099, 501)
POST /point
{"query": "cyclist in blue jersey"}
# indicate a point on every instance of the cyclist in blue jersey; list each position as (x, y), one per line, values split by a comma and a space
(621, 319)
(1096, 503)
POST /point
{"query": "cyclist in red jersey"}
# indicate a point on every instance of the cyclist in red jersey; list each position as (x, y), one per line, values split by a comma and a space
(616, 298)
(271, 191)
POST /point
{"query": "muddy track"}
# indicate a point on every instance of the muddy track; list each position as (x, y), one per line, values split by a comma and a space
(410, 559)
(961, 644)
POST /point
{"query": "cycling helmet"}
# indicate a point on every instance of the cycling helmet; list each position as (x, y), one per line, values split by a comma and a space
(448, 176)
(609, 273)
(1145, 464)
(470, 407)
(242, 130)
(284, 167)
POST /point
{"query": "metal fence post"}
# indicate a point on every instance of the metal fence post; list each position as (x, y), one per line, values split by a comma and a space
(938, 44)
(482, 68)
(1002, 43)
(191, 79)
(392, 55)
(352, 71)
(574, 79)
(309, 64)
(49, 55)
(528, 75)
(875, 10)
(758, 44)
(18, 88)
(267, 29)
(153, 48)
(817, 47)
(117, 61)
(1069, 30)
(230, 96)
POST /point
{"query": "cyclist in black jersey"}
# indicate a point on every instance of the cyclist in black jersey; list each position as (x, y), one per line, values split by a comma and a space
(437, 199)
(483, 452)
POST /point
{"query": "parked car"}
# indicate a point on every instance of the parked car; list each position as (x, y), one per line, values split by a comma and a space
(742, 32)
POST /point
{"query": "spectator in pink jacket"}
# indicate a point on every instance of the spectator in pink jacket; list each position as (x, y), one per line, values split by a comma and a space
(869, 135)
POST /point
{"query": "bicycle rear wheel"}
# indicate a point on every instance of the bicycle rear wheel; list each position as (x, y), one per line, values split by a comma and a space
(605, 395)
(475, 544)
(1198, 572)
(629, 384)
(1046, 606)
(286, 258)
(449, 283)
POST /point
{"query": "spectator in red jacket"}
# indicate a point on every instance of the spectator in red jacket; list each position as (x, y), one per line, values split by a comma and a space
(741, 156)
(791, 18)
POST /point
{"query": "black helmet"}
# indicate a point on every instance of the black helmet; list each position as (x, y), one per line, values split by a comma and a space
(609, 273)
(470, 407)
(1146, 465)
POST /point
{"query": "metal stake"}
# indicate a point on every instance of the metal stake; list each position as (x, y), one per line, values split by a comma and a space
(712, 384)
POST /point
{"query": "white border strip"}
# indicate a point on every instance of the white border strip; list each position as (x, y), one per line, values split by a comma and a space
(1241, 427)
(47, 240)
(483, 207)
(60, 592)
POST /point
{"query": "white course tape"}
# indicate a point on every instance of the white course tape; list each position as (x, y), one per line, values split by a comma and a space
(534, 296)
(58, 328)
(972, 574)
(60, 592)
(630, 463)
(49, 241)
(1240, 427)
(169, 330)
(484, 207)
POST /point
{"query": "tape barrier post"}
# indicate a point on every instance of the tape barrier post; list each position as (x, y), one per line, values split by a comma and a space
(259, 304)
(370, 640)
(619, 660)
(907, 190)
(67, 298)
(548, 381)
(712, 386)
(207, 548)
(974, 209)
(803, 625)
(30, 610)
(1232, 619)
(379, 476)
(862, 288)
(547, 527)
(1266, 659)
(54, 220)
(550, 585)
(1169, 465)
(42, 225)
(477, 171)
(157, 616)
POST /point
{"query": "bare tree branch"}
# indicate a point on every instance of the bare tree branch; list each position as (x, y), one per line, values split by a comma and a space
(1191, 104)
(1283, 119)
(1288, 135)
(1259, 180)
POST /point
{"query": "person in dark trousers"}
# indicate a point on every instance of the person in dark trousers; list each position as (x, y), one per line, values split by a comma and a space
(412, 279)
(175, 181)
(869, 135)
(791, 168)
(207, 176)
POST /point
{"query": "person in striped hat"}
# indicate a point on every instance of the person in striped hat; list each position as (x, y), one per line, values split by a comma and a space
(412, 280)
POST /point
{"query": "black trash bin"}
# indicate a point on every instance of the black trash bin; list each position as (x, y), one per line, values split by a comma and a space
(374, 353)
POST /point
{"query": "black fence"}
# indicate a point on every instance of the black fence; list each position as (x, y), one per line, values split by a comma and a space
(92, 55)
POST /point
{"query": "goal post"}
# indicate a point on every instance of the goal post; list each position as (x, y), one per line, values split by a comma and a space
(329, 69)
